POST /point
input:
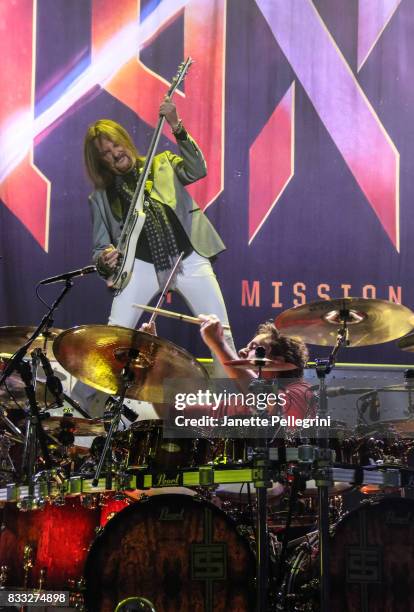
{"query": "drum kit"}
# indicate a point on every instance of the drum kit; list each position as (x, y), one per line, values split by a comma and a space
(199, 523)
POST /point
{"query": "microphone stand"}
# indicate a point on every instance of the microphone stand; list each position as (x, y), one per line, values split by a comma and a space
(324, 461)
(34, 429)
(45, 323)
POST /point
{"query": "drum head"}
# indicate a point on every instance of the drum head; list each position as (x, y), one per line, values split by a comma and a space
(180, 553)
(372, 557)
(371, 560)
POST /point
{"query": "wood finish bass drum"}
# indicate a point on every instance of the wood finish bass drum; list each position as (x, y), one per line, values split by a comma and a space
(371, 560)
(180, 553)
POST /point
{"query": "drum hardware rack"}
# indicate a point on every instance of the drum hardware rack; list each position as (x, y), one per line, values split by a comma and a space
(203, 476)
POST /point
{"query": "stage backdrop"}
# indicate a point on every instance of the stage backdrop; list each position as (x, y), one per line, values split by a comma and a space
(304, 111)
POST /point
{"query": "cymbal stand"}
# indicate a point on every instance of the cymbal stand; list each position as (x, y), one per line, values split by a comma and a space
(8, 423)
(262, 481)
(324, 460)
(34, 430)
(128, 380)
(167, 286)
(409, 383)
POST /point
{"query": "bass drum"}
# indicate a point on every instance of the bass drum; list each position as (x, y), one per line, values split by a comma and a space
(371, 559)
(180, 553)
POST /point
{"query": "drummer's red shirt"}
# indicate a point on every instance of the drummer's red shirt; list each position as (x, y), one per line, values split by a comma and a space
(298, 395)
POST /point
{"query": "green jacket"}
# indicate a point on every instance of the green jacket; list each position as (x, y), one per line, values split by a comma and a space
(170, 173)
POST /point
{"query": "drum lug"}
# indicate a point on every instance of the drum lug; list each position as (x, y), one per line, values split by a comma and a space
(4, 570)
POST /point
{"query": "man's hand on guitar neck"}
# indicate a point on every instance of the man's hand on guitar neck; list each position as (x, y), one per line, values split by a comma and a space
(169, 111)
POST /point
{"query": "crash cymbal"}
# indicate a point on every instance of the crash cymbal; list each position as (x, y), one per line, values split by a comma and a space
(97, 354)
(12, 338)
(407, 343)
(267, 365)
(369, 321)
(77, 426)
(15, 387)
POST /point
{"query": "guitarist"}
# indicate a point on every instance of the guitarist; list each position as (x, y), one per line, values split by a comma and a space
(173, 223)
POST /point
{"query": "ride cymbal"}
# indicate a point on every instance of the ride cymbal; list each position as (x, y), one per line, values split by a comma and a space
(97, 355)
(14, 337)
(368, 321)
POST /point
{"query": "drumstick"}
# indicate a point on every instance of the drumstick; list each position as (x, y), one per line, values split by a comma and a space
(166, 288)
(174, 315)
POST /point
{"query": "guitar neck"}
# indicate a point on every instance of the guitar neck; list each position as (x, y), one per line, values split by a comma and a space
(143, 176)
(139, 190)
(148, 160)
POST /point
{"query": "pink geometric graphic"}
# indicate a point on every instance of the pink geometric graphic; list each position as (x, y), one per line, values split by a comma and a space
(142, 90)
(271, 162)
(340, 103)
(23, 190)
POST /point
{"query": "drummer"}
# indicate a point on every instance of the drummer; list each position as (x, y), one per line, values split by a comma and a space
(299, 397)
(300, 400)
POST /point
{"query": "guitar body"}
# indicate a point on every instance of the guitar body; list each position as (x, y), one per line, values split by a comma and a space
(127, 248)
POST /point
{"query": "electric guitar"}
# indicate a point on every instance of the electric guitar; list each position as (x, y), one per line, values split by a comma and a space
(135, 218)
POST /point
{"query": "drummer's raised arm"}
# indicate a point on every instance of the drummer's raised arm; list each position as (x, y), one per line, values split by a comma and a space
(212, 333)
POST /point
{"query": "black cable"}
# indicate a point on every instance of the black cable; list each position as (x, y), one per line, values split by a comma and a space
(40, 298)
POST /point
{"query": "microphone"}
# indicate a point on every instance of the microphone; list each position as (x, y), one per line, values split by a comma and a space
(68, 275)
(337, 391)
(260, 353)
(53, 383)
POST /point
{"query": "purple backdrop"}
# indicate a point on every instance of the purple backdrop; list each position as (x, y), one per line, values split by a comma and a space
(304, 110)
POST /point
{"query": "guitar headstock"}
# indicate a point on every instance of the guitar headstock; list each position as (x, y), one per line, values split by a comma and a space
(180, 76)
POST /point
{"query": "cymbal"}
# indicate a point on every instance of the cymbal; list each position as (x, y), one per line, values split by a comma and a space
(402, 427)
(402, 387)
(14, 337)
(77, 426)
(267, 365)
(369, 321)
(397, 427)
(407, 343)
(16, 386)
(97, 354)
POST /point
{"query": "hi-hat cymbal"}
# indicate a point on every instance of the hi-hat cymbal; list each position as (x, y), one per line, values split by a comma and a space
(14, 386)
(267, 365)
(369, 321)
(97, 354)
(14, 337)
(77, 426)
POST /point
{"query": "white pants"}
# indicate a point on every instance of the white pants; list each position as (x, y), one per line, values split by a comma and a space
(197, 284)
